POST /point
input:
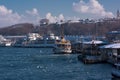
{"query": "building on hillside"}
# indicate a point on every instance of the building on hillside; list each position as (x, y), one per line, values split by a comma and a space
(113, 36)
(118, 14)
(44, 22)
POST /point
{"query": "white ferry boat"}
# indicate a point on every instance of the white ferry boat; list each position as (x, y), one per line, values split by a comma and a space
(62, 46)
(34, 40)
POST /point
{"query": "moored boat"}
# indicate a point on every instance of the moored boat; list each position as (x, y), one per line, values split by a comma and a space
(34, 40)
(113, 56)
(116, 72)
(112, 51)
(91, 53)
(5, 42)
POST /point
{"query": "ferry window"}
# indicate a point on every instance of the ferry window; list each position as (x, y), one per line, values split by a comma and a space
(118, 59)
(63, 45)
(118, 51)
(58, 45)
(115, 52)
(110, 52)
(69, 45)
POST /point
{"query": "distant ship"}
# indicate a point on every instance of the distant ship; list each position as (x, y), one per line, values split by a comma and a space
(5, 42)
(34, 40)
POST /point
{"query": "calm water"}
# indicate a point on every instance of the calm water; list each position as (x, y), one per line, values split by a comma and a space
(42, 64)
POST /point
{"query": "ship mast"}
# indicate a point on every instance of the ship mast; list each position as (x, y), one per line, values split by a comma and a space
(96, 33)
(62, 30)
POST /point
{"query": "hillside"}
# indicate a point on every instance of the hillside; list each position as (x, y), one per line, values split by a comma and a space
(17, 29)
(101, 28)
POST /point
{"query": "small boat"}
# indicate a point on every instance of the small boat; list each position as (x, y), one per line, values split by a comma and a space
(62, 47)
(5, 42)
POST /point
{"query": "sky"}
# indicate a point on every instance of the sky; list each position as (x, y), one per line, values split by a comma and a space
(31, 11)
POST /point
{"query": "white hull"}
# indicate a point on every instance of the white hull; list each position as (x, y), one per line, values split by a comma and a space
(8, 44)
(62, 51)
(95, 58)
(35, 45)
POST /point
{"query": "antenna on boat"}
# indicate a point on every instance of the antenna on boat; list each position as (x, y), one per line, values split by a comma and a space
(96, 26)
(62, 29)
(95, 35)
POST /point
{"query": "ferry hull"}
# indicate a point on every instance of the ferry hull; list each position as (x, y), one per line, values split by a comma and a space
(87, 59)
(35, 46)
(62, 51)
(115, 77)
(116, 74)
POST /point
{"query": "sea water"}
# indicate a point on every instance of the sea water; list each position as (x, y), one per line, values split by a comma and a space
(42, 64)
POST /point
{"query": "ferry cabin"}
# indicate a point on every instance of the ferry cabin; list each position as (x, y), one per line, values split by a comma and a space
(62, 46)
(92, 47)
(91, 53)
(112, 51)
(116, 57)
(65, 46)
(116, 69)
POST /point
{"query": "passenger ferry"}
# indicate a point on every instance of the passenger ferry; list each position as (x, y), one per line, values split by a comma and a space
(62, 46)
(34, 40)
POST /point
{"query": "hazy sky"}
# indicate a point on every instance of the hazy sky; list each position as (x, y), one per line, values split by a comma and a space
(20, 11)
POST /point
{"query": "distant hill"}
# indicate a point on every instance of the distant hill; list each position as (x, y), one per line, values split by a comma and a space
(17, 29)
(101, 28)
